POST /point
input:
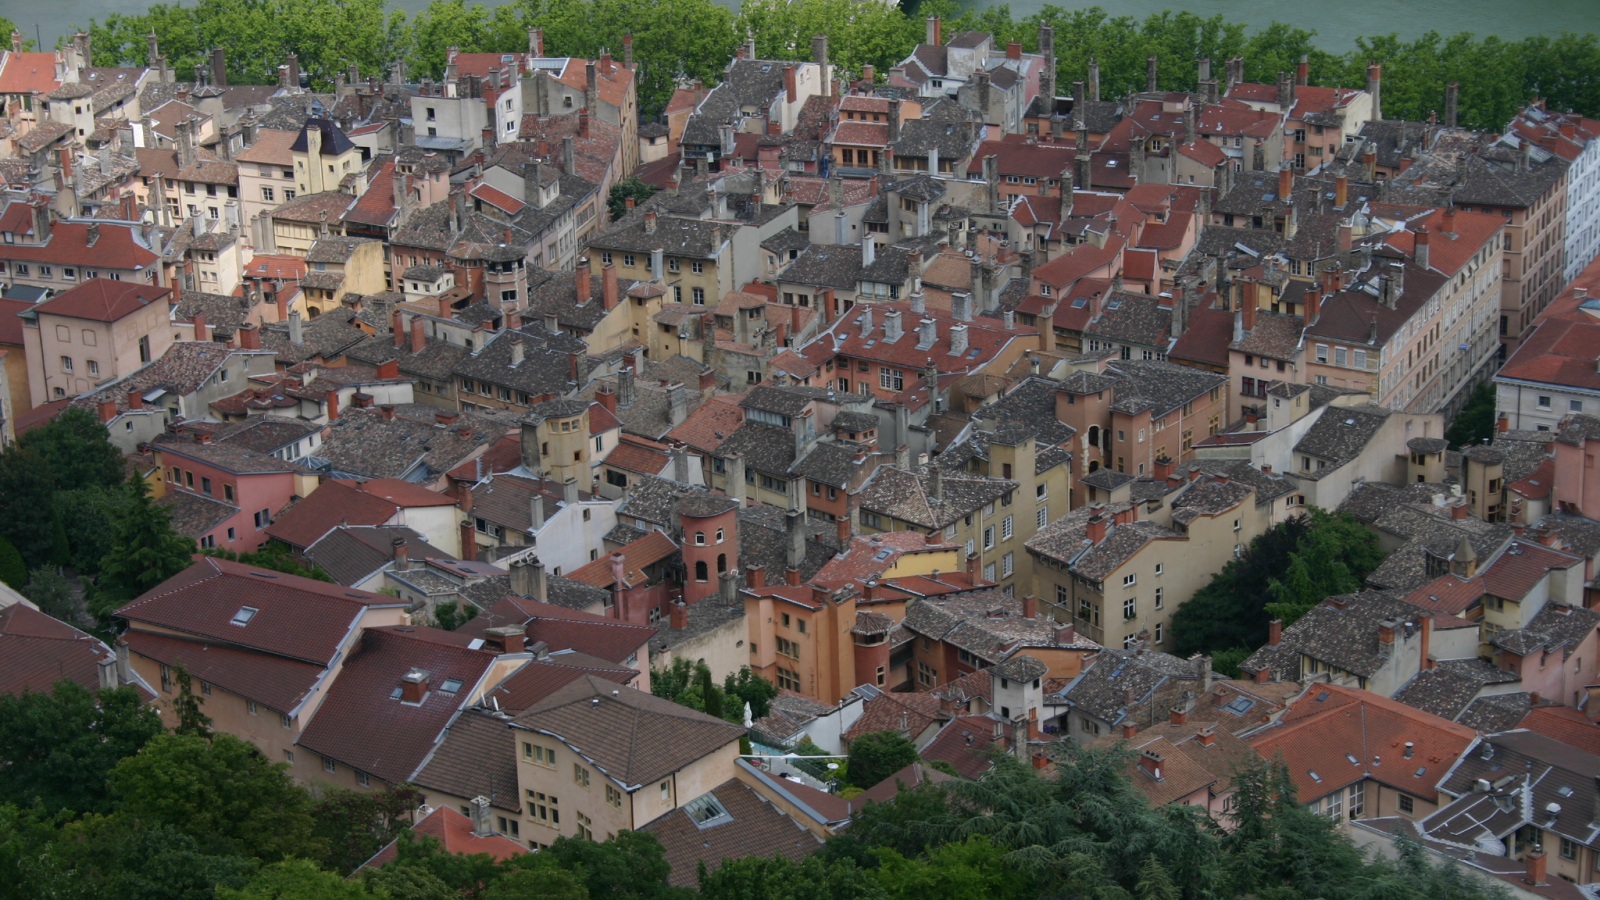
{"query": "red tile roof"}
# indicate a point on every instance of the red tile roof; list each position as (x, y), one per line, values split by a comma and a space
(902, 713)
(1082, 260)
(1023, 159)
(1536, 484)
(295, 617)
(966, 743)
(565, 629)
(36, 651)
(864, 560)
(1521, 566)
(17, 218)
(651, 548)
(363, 724)
(1447, 594)
(1452, 240)
(276, 682)
(637, 458)
(862, 134)
(268, 266)
(540, 678)
(711, 423)
(10, 325)
(343, 501)
(1206, 340)
(498, 199)
(104, 300)
(454, 833)
(115, 248)
(28, 73)
(1565, 724)
(1330, 721)
(376, 206)
(1561, 348)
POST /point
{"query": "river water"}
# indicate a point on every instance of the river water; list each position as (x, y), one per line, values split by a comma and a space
(1338, 24)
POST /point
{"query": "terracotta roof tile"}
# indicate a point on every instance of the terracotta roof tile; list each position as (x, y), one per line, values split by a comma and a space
(104, 300)
(754, 827)
(455, 835)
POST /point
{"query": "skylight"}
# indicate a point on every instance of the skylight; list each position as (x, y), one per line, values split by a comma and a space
(244, 615)
(707, 811)
(451, 685)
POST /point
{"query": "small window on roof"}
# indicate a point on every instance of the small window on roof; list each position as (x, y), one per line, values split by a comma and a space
(706, 810)
(244, 615)
(451, 685)
(1080, 303)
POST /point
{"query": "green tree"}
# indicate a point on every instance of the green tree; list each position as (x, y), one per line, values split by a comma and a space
(354, 825)
(275, 557)
(877, 755)
(7, 27)
(630, 866)
(87, 515)
(1334, 557)
(1230, 611)
(462, 873)
(542, 880)
(813, 878)
(1475, 423)
(451, 614)
(407, 883)
(145, 551)
(973, 868)
(295, 879)
(26, 513)
(110, 856)
(221, 791)
(745, 686)
(691, 685)
(186, 706)
(78, 449)
(13, 572)
(57, 749)
(617, 202)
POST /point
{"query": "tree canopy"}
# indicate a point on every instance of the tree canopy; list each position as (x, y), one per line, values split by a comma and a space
(877, 755)
(144, 552)
(677, 40)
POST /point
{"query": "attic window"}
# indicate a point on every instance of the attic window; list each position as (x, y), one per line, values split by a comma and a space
(1314, 776)
(1114, 304)
(882, 554)
(707, 811)
(766, 68)
(1322, 696)
(1080, 303)
(451, 685)
(1564, 791)
(1353, 760)
(1240, 705)
(244, 615)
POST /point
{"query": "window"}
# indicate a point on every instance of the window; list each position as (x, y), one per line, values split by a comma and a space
(627, 259)
(1407, 804)
(1042, 517)
(1130, 580)
(988, 537)
(94, 368)
(542, 809)
(787, 679)
(580, 776)
(267, 194)
(697, 267)
(66, 364)
(613, 797)
(1159, 632)
(285, 721)
(1007, 566)
(1544, 401)
(788, 648)
(1006, 528)
(698, 295)
(1569, 849)
(891, 379)
(329, 766)
(166, 679)
(585, 827)
(1356, 802)
(1130, 608)
(144, 349)
(927, 675)
(666, 791)
(1575, 405)
(988, 572)
(700, 538)
(1322, 353)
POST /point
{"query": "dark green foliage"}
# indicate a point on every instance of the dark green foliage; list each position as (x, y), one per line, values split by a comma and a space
(109, 856)
(746, 686)
(451, 615)
(57, 749)
(539, 882)
(617, 202)
(691, 685)
(145, 551)
(353, 825)
(407, 883)
(26, 514)
(50, 591)
(220, 791)
(877, 755)
(295, 879)
(87, 515)
(13, 572)
(755, 878)
(275, 557)
(1475, 423)
(630, 866)
(78, 450)
(1281, 574)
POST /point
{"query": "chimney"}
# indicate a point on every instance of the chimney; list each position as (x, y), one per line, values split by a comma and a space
(1150, 74)
(199, 323)
(418, 341)
(1030, 607)
(1066, 634)
(414, 686)
(1129, 731)
(790, 84)
(398, 550)
(1263, 675)
(1013, 50)
(1178, 716)
(1421, 251)
(819, 55)
(1386, 638)
(1452, 92)
(608, 285)
(1302, 72)
(1374, 87)
(935, 29)
(296, 335)
(1149, 760)
(1094, 79)
(585, 288)
(1534, 863)
(108, 672)
(795, 528)
(678, 615)
(958, 340)
(333, 405)
(1285, 183)
(219, 67)
(961, 301)
(1274, 632)
(1096, 528)
(480, 817)
(1341, 191)
(569, 491)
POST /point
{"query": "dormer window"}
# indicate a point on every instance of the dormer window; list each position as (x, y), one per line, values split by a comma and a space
(244, 615)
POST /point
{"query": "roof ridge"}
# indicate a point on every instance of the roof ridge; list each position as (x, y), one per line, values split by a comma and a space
(209, 560)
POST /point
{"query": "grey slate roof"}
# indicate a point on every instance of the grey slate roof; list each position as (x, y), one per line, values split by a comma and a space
(904, 494)
(1103, 689)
